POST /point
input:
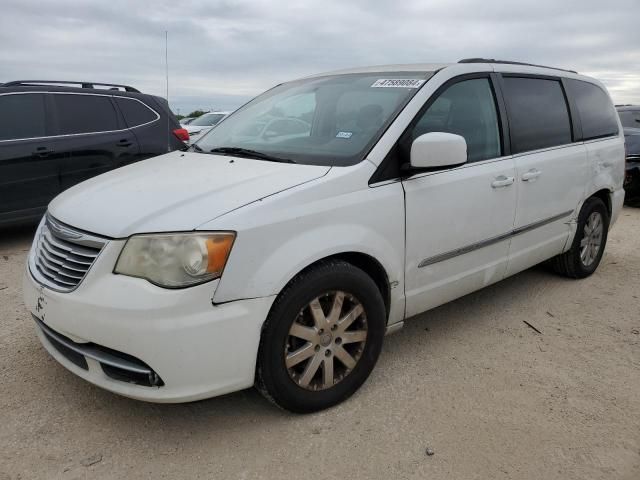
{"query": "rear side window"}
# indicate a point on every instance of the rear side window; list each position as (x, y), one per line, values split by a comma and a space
(22, 116)
(84, 114)
(538, 113)
(597, 114)
(135, 112)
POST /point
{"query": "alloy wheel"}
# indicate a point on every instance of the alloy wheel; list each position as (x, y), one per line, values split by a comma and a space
(326, 340)
(591, 239)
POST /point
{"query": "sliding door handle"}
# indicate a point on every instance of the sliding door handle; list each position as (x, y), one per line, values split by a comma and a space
(531, 175)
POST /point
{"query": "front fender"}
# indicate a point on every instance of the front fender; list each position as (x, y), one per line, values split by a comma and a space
(280, 236)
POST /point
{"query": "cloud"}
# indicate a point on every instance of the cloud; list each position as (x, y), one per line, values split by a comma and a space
(222, 52)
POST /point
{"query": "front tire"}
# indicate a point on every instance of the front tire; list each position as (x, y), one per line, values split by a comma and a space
(586, 251)
(322, 338)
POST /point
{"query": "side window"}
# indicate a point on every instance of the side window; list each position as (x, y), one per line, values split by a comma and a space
(597, 114)
(84, 113)
(135, 113)
(22, 116)
(467, 108)
(538, 114)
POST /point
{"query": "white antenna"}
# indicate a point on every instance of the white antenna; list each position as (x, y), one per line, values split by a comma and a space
(166, 68)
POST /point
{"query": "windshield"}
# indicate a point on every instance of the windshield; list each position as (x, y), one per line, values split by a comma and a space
(630, 118)
(207, 120)
(332, 120)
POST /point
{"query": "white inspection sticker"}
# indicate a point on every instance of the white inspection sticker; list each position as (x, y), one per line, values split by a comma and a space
(344, 135)
(398, 83)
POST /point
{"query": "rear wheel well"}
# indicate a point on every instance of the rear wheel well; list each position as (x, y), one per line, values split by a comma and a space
(605, 196)
(369, 265)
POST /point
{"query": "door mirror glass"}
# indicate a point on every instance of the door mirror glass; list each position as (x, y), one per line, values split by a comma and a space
(438, 149)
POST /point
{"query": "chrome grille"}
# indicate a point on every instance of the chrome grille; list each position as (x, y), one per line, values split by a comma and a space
(63, 255)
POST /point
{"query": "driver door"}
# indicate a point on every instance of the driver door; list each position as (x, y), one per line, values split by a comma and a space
(458, 220)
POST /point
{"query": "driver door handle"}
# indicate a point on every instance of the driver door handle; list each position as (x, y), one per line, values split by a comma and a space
(502, 181)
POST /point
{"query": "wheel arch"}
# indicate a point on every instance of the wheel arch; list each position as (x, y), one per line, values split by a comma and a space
(365, 262)
(604, 195)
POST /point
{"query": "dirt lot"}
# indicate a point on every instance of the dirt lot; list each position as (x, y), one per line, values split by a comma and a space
(491, 397)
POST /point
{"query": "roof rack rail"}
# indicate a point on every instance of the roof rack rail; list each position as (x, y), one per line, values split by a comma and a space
(26, 83)
(508, 62)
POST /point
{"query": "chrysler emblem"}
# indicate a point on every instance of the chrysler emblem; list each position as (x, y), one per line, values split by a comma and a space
(61, 231)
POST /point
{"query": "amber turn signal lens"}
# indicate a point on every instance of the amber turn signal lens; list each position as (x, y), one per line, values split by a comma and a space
(218, 249)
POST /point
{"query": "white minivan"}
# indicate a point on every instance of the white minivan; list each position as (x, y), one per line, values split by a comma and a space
(282, 246)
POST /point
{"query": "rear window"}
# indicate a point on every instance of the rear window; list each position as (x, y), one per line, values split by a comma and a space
(84, 114)
(135, 112)
(597, 114)
(538, 113)
(22, 116)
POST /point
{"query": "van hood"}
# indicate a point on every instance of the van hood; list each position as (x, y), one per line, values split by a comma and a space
(174, 192)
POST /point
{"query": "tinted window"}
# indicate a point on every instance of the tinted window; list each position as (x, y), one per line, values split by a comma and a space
(84, 113)
(630, 118)
(597, 114)
(468, 109)
(22, 116)
(538, 114)
(135, 112)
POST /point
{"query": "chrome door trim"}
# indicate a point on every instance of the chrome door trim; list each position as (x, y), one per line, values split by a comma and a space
(491, 241)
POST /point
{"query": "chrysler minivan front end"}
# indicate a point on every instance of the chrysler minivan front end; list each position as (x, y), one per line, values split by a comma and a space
(142, 327)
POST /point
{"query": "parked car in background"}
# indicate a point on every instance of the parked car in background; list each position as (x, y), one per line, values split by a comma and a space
(202, 124)
(283, 259)
(630, 118)
(54, 135)
(187, 120)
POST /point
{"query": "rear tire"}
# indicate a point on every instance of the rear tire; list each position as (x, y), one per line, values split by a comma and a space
(586, 251)
(321, 339)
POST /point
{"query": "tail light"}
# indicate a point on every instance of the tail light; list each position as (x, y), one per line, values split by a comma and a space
(182, 134)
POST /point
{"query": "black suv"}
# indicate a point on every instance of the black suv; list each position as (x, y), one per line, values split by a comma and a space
(630, 118)
(56, 134)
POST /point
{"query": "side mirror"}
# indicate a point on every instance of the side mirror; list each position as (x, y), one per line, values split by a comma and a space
(438, 149)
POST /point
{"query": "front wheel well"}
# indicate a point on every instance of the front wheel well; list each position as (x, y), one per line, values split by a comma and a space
(367, 264)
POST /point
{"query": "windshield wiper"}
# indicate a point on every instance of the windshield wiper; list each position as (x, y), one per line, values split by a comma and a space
(197, 148)
(247, 153)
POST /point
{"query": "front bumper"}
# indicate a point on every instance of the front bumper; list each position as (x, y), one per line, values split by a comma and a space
(197, 349)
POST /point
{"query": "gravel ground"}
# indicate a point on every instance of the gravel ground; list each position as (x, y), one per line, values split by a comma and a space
(490, 397)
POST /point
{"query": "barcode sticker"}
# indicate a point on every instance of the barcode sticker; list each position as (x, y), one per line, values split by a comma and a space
(398, 83)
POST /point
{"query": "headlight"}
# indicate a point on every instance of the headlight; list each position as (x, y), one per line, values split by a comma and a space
(176, 260)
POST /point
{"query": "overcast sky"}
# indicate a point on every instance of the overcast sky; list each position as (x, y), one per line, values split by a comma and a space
(223, 52)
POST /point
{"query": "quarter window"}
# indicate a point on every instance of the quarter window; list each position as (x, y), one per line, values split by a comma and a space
(538, 113)
(597, 114)
(135, 113)
(22, 116)
(84, 114)
(468, 109)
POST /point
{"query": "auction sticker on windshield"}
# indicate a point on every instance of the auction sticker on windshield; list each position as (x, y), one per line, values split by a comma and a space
(398, 83)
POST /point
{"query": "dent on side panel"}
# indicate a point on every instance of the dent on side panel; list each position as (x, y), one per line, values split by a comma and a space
(606, 158)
